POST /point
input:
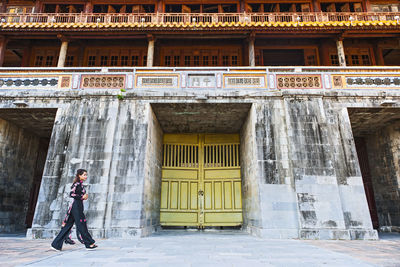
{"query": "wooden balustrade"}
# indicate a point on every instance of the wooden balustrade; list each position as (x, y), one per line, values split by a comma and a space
(190, 18)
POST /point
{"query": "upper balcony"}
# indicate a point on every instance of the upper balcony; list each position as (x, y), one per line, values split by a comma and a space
(200, 21)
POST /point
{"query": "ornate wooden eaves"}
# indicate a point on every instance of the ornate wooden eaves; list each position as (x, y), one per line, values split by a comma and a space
(320, 22)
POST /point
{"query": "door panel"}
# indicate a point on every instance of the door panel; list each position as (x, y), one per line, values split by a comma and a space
(201, 181)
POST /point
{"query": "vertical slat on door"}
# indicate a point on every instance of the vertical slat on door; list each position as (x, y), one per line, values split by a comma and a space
(218, 195)
(184, 195)
(208, 195)
(238, 197)
(193, 195)
(164, 195)
(174, 195)
(228, 195)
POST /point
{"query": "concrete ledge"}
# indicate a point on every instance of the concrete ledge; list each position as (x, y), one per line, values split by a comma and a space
(325, 234)
(252, 230)
(41, 233)
(389, 229)
(362, 234)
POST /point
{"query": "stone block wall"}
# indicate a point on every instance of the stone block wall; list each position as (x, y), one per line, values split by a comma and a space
(300, 171)
(150, 218)
(310, 182)
(331, 200)
(278, 201)
(18, 155)
(384, 159)
(250, 183)
(108, 138)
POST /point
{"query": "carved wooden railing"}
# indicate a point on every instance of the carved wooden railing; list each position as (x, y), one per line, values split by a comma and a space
(192, 18)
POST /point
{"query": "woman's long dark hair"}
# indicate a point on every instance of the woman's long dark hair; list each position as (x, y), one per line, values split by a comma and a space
(78, 172)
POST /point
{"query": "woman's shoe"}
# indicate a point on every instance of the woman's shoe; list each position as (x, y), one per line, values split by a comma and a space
(69, 241)
(93, 246)
(56, 249)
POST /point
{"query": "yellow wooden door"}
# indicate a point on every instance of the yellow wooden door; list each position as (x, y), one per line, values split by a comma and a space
(201, 181)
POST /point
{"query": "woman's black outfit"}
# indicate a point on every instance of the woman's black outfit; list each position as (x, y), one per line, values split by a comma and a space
(75, 216)
(68, 239)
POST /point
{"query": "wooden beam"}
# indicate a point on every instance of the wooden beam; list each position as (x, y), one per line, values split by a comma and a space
(3, 45)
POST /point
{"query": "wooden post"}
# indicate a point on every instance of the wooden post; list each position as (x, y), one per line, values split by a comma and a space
(340, 52)
(3, 8)
(367, 6)
(88, 7)
(63, 52)
(26, 57)
(316, 6)
(252, 58)
(37, 7)
(245, 53)
(159, 6)
(3, 45)
(242, 6)
(150, 51)
(323, 49)
(379, 61)
(81, 58)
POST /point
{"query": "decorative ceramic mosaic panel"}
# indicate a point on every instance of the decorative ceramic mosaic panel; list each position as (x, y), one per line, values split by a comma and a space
(337, 81)
(103, 81)
(65, 82)
(372, 82)
(28, 82)
(298, 81)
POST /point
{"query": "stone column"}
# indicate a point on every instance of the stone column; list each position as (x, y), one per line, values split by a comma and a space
(150, 52)
(3, 44)
(340, 51)
(63, 53)
(252, 59)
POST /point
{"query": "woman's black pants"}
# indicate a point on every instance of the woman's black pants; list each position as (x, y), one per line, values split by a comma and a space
(79, 219)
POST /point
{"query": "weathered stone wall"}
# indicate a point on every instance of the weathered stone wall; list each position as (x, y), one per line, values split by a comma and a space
(250, 182)
(384, 158)
(327, 179)
(18, 156)
(150, 218)
(310, 183)
(277, 194)
(351, 188)
(304, 167)
(108, 138)
(312, 161)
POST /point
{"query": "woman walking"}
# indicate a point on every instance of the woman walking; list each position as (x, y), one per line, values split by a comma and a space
(76, 214)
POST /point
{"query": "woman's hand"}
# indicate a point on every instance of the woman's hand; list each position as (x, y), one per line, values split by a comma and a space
(85, 196)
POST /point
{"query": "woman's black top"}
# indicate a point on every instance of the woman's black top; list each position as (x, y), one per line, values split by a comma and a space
(77, 191)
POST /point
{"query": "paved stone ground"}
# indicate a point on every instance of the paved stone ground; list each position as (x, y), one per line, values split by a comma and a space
(171, 248)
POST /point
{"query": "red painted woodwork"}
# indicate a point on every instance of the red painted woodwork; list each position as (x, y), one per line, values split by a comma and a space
(362, 154)
(37, 179)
